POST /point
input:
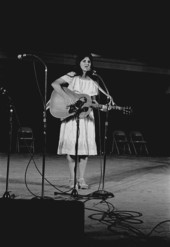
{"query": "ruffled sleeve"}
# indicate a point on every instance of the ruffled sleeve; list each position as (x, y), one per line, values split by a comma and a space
(68, 77)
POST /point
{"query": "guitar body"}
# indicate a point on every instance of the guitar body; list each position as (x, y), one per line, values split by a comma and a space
(61, 101)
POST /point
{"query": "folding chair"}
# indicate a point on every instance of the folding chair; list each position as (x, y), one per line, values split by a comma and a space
(120, 143)
(138, 142)
(25, 139)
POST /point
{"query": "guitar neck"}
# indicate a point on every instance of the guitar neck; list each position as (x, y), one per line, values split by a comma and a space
(116, 107)
(101, 106)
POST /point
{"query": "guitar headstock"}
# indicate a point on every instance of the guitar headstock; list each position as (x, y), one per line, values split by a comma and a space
(127, 110)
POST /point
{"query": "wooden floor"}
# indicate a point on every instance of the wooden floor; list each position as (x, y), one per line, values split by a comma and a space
(128, 202)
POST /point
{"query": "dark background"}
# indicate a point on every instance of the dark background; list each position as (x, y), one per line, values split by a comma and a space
(144, 92)
(135, 33)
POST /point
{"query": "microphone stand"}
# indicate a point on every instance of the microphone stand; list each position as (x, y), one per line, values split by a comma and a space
(44, 124)
(44, 118)
(7, 195)
(74, 192)
(44, 130)
(77, 108)
(103, 193)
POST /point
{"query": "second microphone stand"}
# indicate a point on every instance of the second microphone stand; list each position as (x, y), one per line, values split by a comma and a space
(6, 194)
(103, 193)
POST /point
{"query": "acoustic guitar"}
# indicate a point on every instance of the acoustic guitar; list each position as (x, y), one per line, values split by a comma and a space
(67, 103)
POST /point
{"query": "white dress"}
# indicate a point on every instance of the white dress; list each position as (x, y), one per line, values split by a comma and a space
(68, 128)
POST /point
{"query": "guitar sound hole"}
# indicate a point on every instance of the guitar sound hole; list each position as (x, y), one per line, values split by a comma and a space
(85, 109)
(72, 109)
(78, 106)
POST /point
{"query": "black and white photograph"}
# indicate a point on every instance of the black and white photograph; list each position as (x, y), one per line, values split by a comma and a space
(85, 125)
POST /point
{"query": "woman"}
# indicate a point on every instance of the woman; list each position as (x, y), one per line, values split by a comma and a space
(81, 82)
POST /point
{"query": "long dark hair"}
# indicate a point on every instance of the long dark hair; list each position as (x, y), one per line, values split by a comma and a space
(79, 58)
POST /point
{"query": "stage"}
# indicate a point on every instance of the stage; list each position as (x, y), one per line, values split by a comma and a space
(128, 201)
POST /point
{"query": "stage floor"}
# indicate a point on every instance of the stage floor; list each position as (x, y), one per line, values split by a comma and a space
(128, 199)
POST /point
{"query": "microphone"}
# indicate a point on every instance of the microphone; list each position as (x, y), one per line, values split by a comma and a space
(94, 72)
(21, 56)
(3, 90)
